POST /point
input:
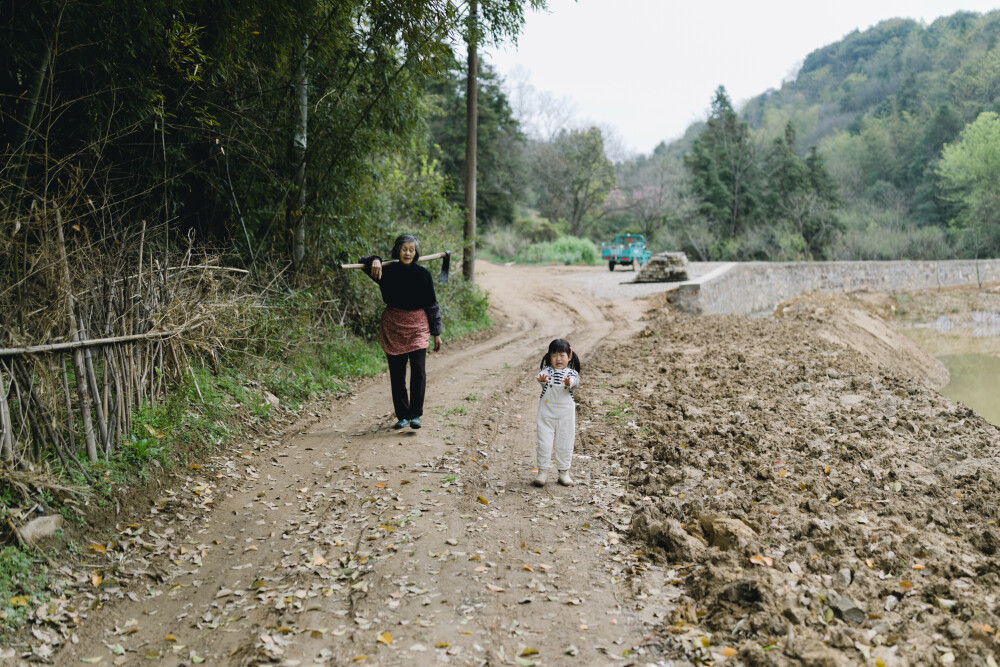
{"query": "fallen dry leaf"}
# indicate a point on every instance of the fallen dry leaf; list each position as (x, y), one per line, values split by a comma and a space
(495, 589)
(384, 638)
(762, 560)
(729, 652)
(528, 568)
(482, 500)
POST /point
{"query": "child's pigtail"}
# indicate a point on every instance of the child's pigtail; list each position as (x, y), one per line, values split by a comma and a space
(574, 362)
(546, 361)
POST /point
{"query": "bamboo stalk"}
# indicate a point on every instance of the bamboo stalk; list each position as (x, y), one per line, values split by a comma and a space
(105, 353)
(22, 417)
(95, 342)
(187, 362)
(108, 441)
(120, 402)
(160, 377)
(43, 417)
(40, 421)
(78, 366)
(88, 360)
(70, 428)
(6, 436)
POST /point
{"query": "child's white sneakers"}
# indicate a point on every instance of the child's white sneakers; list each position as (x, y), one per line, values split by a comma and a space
(540, 477)
(565, 479)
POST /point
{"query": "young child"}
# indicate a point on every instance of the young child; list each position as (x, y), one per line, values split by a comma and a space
(559, 377)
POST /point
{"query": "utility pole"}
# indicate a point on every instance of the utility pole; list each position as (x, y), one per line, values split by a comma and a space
(471, 95)
(297, 198)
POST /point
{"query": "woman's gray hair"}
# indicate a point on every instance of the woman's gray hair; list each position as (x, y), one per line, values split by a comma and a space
(398, 244)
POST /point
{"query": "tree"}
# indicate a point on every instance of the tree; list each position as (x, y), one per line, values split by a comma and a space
(723, 166)
(573, 176)
(648, 192)
(194, 112)
(969, 174)
(501, 166)
(799, 194)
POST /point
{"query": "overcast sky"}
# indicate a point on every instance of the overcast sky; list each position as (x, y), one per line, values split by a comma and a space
(649, 67)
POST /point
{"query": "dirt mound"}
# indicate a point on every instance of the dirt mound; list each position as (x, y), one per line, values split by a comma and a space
(858, 320)
(801, 502)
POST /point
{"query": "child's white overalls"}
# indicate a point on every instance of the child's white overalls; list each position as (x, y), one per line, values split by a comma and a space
(556, 418)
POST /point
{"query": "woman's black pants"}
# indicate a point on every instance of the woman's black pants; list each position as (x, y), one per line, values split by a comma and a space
(408, 408)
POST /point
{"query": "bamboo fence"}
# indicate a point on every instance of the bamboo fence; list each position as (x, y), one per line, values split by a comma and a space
(94, 330)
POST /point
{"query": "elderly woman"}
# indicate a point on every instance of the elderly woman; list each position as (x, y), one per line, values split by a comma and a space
(411, 317)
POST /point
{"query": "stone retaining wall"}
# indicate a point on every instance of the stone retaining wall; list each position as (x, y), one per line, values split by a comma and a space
(753, 287)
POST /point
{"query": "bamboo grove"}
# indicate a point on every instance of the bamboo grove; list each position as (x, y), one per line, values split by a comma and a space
(164, 164)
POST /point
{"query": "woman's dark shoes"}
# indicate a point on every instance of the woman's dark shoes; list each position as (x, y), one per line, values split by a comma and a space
(402, 424)
(414, 423)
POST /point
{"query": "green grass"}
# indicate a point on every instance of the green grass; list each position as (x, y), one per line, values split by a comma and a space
(23, 586)
(618, 412)
(564, 250)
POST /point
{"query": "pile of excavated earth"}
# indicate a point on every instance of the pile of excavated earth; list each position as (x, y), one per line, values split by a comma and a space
(806, 496)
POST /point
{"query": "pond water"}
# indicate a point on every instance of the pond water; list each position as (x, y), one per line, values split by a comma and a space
(975, 381)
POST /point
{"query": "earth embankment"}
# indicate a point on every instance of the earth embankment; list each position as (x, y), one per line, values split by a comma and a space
(809, 496)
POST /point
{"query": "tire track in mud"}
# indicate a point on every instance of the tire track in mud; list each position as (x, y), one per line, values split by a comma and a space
(345, 540)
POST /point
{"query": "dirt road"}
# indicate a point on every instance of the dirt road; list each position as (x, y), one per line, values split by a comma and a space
(349, 542)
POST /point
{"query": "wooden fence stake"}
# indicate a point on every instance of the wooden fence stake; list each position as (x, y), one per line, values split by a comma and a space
(6, 439)
(78, 365)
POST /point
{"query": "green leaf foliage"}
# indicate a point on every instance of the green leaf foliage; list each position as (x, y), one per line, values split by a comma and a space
(572, 177)
(501, 163)
(969, 172)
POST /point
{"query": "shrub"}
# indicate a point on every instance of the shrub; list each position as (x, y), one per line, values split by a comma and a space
(564, 250)
(503, 243)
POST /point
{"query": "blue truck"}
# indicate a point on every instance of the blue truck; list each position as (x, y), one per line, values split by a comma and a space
(626, 249)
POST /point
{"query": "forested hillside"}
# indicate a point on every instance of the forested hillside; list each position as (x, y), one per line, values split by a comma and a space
(899, 118)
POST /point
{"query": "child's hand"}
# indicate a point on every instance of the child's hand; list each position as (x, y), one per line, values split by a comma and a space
(568, 381)
(542, 377)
